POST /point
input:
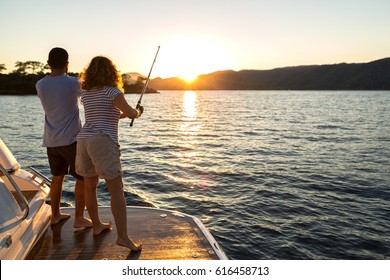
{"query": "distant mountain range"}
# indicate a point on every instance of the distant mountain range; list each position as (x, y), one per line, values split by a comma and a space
(374, 75)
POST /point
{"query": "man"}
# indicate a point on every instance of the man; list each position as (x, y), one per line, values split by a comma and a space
(59, 95)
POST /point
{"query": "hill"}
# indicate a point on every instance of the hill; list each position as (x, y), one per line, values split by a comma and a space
(134, 82)
(374, 75)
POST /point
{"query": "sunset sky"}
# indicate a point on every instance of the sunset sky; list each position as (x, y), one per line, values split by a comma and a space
(196, 37)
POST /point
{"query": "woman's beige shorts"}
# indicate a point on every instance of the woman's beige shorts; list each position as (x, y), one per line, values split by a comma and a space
(98, 156)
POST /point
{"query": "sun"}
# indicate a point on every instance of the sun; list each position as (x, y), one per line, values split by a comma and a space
(188, 77)
(187, 58)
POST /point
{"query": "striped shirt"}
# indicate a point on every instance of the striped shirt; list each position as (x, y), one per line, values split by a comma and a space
(101, 116)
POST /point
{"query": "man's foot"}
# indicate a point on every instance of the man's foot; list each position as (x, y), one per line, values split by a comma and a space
(56, 219)
(129, 244)
(82, 223)
(102, 227)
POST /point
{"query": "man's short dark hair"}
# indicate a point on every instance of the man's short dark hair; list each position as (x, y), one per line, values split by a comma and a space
(58, 58)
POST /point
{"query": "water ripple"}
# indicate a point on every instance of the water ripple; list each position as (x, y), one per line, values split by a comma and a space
(285, 175)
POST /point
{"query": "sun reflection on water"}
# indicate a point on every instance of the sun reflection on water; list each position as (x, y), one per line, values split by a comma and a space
(189, 155)
(188, 139)
(189, 126)
(189, 105)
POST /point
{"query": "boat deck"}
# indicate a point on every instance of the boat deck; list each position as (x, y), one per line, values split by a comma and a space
(164, 235)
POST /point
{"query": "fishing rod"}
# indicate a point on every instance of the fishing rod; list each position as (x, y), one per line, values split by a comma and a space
(145, 86)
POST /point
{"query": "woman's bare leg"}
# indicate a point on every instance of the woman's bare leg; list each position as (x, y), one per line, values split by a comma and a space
(90, 185)
(79, 193)
(118, 208)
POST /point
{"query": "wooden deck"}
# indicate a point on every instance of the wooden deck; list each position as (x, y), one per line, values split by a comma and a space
(164, 235)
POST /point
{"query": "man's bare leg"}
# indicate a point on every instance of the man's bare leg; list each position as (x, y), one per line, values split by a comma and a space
(90, 185)
(118, 208)
(55, 199)
(80, 221)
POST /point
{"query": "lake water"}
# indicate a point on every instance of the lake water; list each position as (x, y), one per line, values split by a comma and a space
(272, 174)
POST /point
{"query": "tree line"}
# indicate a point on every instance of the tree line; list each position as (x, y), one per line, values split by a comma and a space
(22, 80)
(28, 67)
(26, 74)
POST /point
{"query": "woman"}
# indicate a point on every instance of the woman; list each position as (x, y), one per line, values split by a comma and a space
(98, 152)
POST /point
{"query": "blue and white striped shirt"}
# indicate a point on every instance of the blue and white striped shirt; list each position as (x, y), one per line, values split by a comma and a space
(101, 115)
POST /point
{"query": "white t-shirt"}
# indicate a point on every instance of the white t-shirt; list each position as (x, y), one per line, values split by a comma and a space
(59, 97)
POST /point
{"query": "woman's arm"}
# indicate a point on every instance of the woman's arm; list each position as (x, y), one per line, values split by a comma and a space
(127, 111)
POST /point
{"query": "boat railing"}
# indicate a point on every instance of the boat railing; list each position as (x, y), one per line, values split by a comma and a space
(24, 202)
(37, 174)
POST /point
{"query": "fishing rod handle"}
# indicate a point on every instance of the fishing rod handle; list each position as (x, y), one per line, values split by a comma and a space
(132, 121)
(137, 107)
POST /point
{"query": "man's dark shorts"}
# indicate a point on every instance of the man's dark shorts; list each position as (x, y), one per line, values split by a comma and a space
(62, 160)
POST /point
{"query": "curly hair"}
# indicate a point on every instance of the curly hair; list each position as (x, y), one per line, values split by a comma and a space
(100, 72)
